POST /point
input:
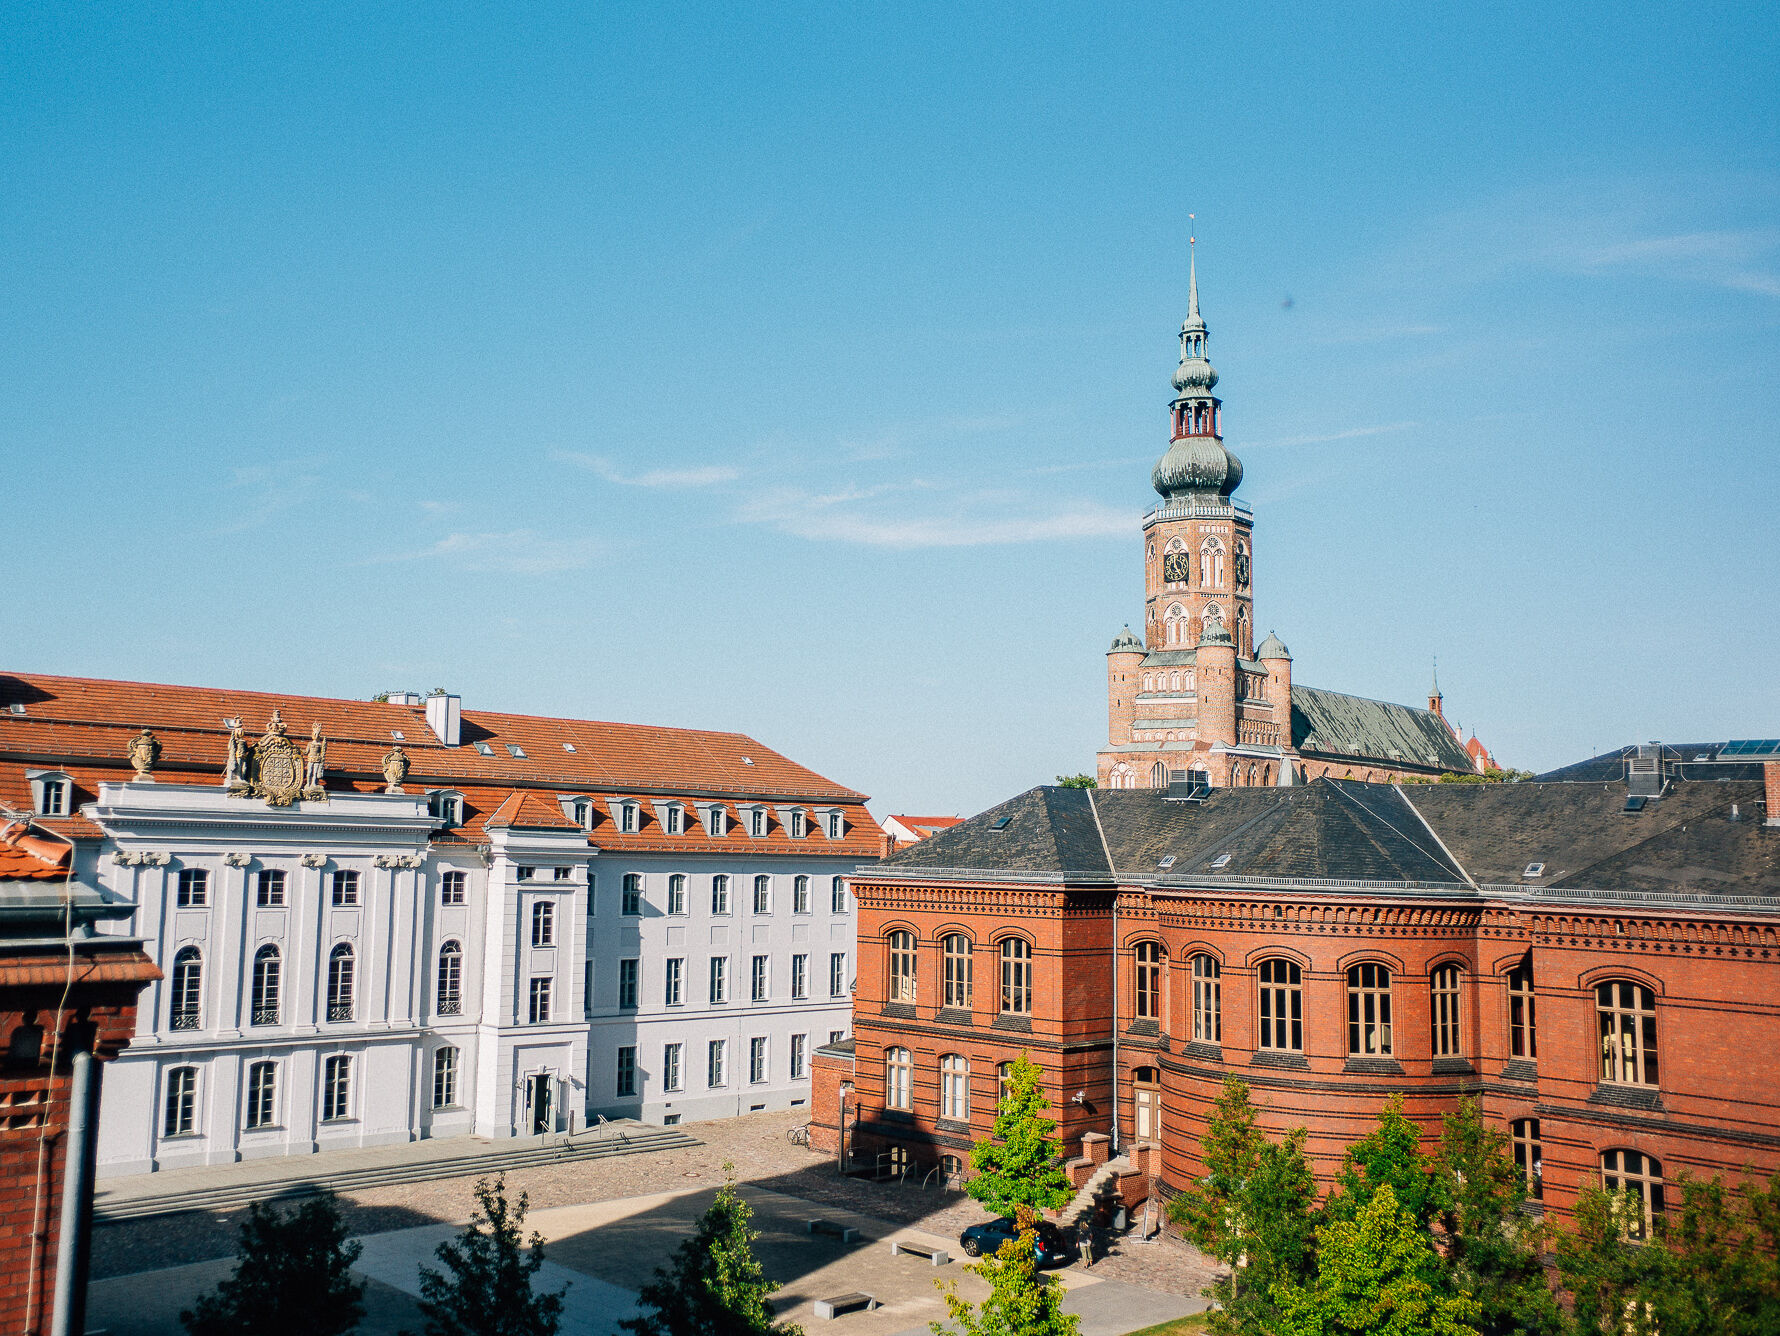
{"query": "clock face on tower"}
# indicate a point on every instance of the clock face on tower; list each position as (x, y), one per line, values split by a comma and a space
(1177, 567)
(1242, 570)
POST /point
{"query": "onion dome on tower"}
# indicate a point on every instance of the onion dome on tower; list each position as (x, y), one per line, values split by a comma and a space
(1196, 464)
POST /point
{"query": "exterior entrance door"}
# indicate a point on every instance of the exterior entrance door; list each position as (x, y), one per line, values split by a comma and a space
(1148, 1105)
(539, 1116)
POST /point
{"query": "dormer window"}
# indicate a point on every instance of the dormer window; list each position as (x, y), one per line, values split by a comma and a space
(446, 806)
(837, 825)
(582, 812)
(716, 820)
(757, 823)
(798, 823)
(52, 792)
(627, 818)
(674, 819)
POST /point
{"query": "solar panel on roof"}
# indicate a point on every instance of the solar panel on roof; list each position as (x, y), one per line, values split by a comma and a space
(1751, 747)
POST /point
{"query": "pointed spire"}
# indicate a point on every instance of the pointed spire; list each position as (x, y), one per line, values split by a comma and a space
(1192, 277)
(1434, 690)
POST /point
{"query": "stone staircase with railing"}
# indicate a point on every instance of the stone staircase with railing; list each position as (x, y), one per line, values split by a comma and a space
(1081, 1206)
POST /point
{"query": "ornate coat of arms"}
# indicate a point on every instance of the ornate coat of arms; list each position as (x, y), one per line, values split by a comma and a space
(276, 768)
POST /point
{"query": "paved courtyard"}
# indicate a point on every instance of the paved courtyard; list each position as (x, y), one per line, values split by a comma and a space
(609, 1223)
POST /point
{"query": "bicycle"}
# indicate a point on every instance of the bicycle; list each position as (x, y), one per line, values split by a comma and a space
(799, 1135)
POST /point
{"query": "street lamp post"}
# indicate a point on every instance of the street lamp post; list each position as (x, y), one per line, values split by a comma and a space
(846, 1089)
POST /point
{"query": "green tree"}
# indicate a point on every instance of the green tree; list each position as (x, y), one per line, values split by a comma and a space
(1491, 1251)
(1613, 1276)
(1723, 1253)
(1020, 1302)
(1078, 781)
(1019, 1162)
(1390, 1155)
(1254, 1210)
(1371, 1280)
(292, 1275)
(492, 1266)
(713, 1285)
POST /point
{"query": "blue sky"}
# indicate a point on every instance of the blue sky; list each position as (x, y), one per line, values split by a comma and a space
(800, 370)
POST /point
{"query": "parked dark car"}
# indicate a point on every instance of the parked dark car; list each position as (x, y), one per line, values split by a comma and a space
(1053, 1248)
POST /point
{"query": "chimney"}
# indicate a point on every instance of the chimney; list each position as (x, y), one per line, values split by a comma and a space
(1771, 773)
(402, 698)
(444, 717)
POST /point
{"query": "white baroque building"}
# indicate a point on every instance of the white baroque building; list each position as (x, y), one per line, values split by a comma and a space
(378, 921)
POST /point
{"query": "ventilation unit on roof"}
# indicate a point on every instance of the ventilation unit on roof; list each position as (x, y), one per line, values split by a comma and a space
(1222, 860)
(402, 698)
(1533, 870)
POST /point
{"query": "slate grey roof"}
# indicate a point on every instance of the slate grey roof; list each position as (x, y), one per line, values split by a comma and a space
(1680, 761)
(1333, 723)
(1428, 836)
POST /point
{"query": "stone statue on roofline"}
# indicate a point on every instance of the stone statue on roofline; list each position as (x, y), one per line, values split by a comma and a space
(238, 767)
(395, 768)
(143, 752)
(315, 766)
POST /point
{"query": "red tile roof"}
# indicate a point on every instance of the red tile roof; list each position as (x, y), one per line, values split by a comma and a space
(929, 822)
(81, 726)
(530, 810)
(25, 856)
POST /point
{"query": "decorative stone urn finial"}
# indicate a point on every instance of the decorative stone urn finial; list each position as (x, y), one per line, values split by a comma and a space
(144, 751)
(395, 768)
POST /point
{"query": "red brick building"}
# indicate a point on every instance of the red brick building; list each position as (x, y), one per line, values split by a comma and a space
(67, 1004)
(1603, 974)
(1194, 699)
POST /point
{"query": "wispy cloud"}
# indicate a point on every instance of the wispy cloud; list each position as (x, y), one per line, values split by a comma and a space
(700, 475)
(843, 517)
(1728, 258)
(515, 552)
(1324, 437)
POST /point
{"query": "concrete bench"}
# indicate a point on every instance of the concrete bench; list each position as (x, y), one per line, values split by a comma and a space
(845, 1233)
(844, 1303)
(937, 1256)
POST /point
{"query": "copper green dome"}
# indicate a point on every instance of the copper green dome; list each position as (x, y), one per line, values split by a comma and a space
(1126, 643)
(1197, 465)
(1273, 648)
(1213, 632)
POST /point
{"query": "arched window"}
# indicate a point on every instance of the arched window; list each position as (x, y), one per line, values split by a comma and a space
(1529, 1154)
(898, 1079)
(632, 901)
(180, 1114)
(451, 979)
(1211, 563)
(1149, 981)
(1146, 1100)
(543, 924)
(444, 1077)
(1208, 1000)
(1626, 1013)
(954, 1088)
(1158, 776)
(1016, 976)
(265, 986)
(901, 944)
(1523, 1034)
(958, 971)
(763, 894)
(262, 1096)
(1174, 681)
(1282, 1006)
(187, 990)
(1443, 988)
(1369, 1010)
(800, 895)
(1639, 1174)
(1148, 682)
(1174, 623)
(340, 970)
(1004, 1074)
(837, 896)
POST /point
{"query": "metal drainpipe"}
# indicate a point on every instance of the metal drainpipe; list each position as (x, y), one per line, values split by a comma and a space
(1115, 1020)
(68, 1317)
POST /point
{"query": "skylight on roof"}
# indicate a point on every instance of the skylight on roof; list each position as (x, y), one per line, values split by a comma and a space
(1221, 860)
(17, 707)
(1001, 823)
(568, 746)
(396, 733)
(1166, 863)
(485, 749)
(1534, 870)
(514, 749)
(747, 760)
(1636, 802)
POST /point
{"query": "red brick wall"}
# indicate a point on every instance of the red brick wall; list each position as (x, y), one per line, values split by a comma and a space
(34, 1117)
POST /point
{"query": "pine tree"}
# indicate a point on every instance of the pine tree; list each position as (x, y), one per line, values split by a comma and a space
(1491, 1251)
(1018, 1164)
(1021, 1302)
(1371, 1280)
(292, 1277)
(489, 1291)
(713, 1285)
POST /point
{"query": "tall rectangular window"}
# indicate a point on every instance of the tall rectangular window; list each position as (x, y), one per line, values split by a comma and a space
(451, 888)
(1443, 990)
(757, 982)
(836, 826)
(800, 895)
(957, 959)
(714, 1052)
(1208, 999)
(837, 974)
(1149, 981)
(344, 887)
(837, 896)
(901, 944)
(194, 887)
(898, 1079)
(675, 819)
(336, 1089)
(180, 1115)
(1282, 1006)
(673, 991)
(587, 989)
(1626, 1016)
(543, 924)
(633, 893)
(800, 977)
(1016, 976)
(677, 893)
(539, 1010)
(719, 978)
(799, 1043)
(763, 895)
(757, 1059)
(1523, 1038)
(1529, 1155)
(269, 888)
(627, 985)
(627, 1071)
(1369, 1010)
(445, 1078)
(720, 893)
(670, 1066)
(262, 1096)
(798, 823)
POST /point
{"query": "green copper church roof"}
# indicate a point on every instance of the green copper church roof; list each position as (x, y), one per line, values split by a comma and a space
(1126, 643)
(1272, 648)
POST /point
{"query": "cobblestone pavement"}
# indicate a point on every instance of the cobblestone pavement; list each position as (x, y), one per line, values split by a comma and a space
(758, 1145)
